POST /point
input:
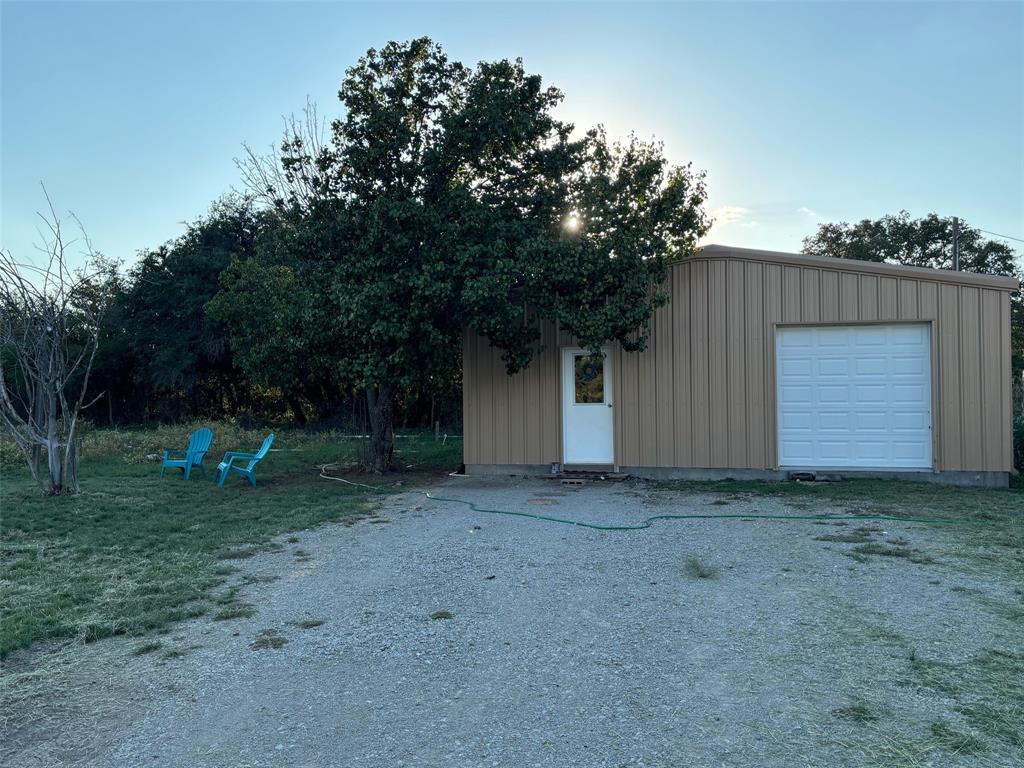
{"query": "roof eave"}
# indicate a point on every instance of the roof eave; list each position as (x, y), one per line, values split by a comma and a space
(853, 265)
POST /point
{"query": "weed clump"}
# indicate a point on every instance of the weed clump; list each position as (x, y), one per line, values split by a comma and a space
(956, 742)
(696, 569)
(268, 639)
(858, 712)
(235, 610)
(145, 648)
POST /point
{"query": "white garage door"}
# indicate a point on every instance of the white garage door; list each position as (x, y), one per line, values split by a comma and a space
(854, 396)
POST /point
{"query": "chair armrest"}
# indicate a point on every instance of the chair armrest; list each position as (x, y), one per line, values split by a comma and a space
(172, 452)
(238, 455)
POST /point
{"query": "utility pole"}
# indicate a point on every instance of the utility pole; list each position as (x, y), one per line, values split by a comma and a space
(956, 244)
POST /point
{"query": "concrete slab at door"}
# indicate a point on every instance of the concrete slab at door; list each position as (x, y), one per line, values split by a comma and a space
(587, 423)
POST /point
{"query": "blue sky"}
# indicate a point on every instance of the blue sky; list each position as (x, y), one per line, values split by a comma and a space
(132, 113)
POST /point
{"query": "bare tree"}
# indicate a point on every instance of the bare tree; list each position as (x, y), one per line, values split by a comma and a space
(297, 172)
(50, 319)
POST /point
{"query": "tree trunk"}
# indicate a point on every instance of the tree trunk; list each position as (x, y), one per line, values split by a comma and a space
(54, 460)
(54, 455)
(295, 407)
(379, 402)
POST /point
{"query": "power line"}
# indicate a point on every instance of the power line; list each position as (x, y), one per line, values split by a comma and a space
(1007, 237)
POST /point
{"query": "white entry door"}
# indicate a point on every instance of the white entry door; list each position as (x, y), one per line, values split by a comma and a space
(587, 425)
(855, 396)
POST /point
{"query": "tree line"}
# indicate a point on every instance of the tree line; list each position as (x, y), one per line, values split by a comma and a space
(336, 288)
(445, 198)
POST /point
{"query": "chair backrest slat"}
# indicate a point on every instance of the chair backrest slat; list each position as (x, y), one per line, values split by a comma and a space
(262, 451)
(199, 443)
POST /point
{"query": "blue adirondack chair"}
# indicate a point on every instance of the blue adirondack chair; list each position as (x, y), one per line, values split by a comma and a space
(199, 443)
(243, 463)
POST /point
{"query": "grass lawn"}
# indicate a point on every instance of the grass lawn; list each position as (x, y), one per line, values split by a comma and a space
(133, 552)
(991, 538)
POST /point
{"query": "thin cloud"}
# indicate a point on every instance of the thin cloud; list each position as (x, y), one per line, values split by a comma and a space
(729, 214)
(812, 214)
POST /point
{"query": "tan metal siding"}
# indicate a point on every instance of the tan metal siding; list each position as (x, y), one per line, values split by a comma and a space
(703, 394)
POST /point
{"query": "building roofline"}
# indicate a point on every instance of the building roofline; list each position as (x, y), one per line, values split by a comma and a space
(854, 265)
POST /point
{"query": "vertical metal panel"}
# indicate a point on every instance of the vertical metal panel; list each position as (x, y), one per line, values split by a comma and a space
(486, 399)
(534, 409)
(665, 405)
(868, 297)
(829, 295)
(1005, 395)
(907, 298)
(849, 297)
(718, 343)
(701, 403)
(791, 311)
(810, 295)
(629, 408)
(992, 376)
(683, 365)
(754, 334)
(516, 417)
(971, 416)
(772, 315)
(887, 300)
(949, 375)
(736, 366)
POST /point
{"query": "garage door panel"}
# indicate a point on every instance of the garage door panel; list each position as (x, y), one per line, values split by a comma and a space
(832, 366)
(797, 366)
(832, 393)
(908, 393)
(909, 421)
(911, 451)
(799, 450)
(834, 449)
(797, 394)
(854, 396)
(870, 366)
(868, 337)
(831, 421)
(795, 421)
(908, 335)
(871, 393)
(866, 421)
(871, 451)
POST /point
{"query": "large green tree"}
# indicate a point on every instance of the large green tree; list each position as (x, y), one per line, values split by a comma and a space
(451, 197)
(925, 242)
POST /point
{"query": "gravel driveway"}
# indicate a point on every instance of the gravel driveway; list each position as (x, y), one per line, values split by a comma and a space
(550, 645)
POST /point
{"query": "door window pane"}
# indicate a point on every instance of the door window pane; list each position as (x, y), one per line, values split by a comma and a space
(589, 378)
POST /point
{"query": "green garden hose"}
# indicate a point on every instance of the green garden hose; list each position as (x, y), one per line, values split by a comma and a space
(649, 521)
